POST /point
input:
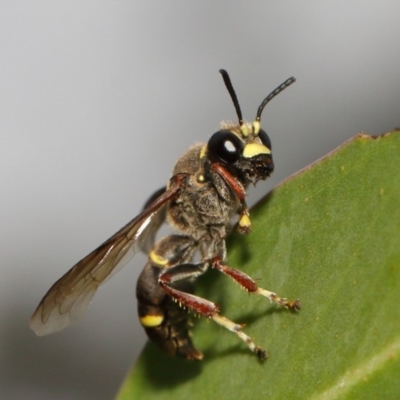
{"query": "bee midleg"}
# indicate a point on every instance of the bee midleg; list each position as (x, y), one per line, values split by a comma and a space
(251, 286)
(164, 321)
(198, 304)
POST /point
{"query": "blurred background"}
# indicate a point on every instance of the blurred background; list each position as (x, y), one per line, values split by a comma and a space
(97, 101)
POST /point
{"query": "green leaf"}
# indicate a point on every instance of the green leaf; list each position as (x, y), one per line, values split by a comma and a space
(330, 236)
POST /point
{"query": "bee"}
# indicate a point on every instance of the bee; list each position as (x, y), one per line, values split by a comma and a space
(206, 192)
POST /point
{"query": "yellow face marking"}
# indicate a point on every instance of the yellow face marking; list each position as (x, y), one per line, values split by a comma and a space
(255, 149)
(157, 260)
(151, 321)
(256, 127)
(201, 178)
(203, 151)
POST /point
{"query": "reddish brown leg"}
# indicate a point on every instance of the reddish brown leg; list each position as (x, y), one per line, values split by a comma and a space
(251, 286)
(181, 272)
(200, 305)
(244, 225)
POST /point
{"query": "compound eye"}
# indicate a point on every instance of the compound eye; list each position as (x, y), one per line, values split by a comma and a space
(225, 146)
(265, 140)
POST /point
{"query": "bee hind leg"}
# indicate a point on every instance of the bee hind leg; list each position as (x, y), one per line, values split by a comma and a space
(202, 306)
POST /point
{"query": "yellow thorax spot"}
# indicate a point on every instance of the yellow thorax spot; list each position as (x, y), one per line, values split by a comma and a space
(151, 321)
(203, 151)
(255, 149)
(157, 260)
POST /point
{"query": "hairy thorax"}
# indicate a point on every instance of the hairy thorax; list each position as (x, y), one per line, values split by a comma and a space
(206, 202)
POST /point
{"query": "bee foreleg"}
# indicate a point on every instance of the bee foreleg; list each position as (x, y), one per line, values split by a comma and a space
(244, 223)
(251, 286)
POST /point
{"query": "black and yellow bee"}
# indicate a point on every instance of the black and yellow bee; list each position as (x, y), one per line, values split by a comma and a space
(206, 191)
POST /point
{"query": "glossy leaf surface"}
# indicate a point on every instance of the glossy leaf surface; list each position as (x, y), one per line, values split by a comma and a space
(330, 235)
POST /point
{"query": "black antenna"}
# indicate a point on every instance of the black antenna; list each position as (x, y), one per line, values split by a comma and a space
(231, 91)
(275, 92)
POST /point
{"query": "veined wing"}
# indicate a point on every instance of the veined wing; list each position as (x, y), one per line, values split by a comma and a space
(67, 300)
(147, 238)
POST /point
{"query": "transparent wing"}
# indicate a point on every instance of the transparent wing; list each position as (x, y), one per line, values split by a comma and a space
(67, 300)
(147, 238)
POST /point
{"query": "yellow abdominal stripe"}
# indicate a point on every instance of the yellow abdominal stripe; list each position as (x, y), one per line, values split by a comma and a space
(151, 321)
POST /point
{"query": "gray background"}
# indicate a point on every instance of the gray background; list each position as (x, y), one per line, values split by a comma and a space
(98, 98)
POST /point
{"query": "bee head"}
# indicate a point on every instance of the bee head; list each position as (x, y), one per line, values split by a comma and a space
(248, 157)
(244, 149)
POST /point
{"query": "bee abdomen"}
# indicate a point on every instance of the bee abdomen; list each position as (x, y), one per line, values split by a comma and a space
(165, 322)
